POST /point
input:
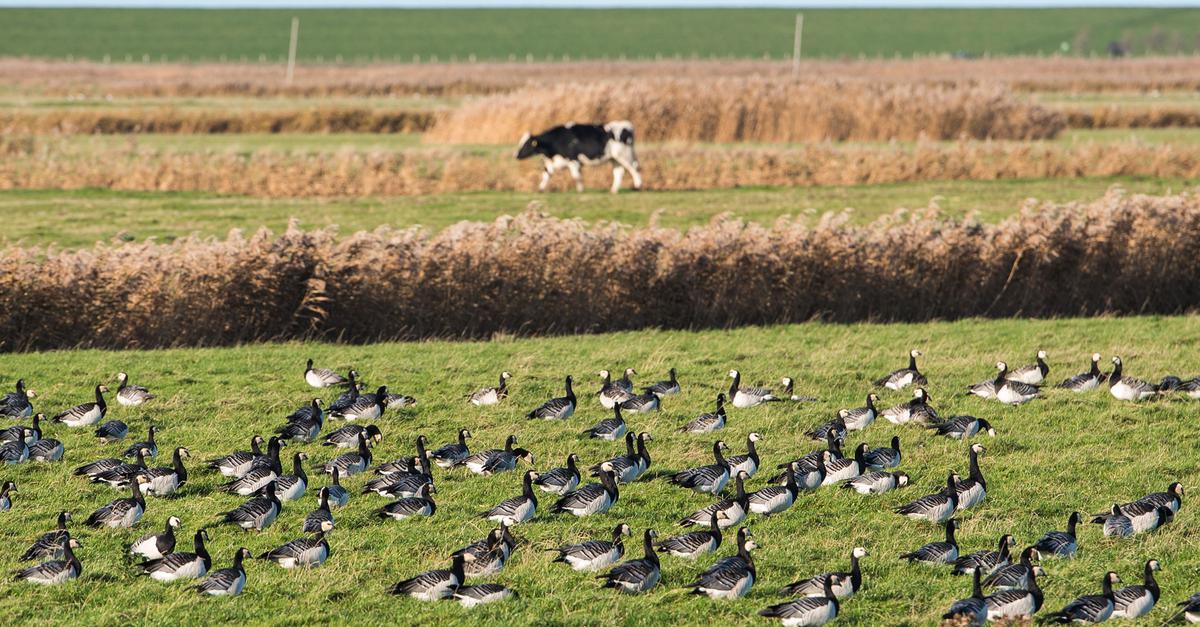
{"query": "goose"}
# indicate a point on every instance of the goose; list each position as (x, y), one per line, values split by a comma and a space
(560, 480)
(916, 410)
(226, 581)
(1015, 604)
(1011, 392)
(302, 552)
(877, 482)
(490, 558)
(839, 470)
(1091, 608)
(1125, 388)
(664, 388)
(636, 576)
(1060, 543)
(322, 377)
(850, 581)
(816, 459)
(365, 407)
(420, 505)
(353, 389)
(1137, 600)
(556, 408)
(1190, 387)
(16, 404)
(54, 571)
(112, 431)
(642, 403)
(314, 519)
(904, 377)
(338, 496)
(150, 445)
(432, 585)
(292, 487)
(936, 508)
(238, 463)
(711, 478)
(835, 428)
(121, 512)
(789, 392)
(257, 513)
(945, 552)
(491, 396)
(963, 427)
(493, 461)
(612, 393)
(304, 424)
(807, 611)
(447, 455)
(402, 484)
(729, 511)
(396, 402)
(131, 395)
(347, 436)
(625, 383)
(593, 498)
(610, 428)
(1086, 381)
(984, 389)
(1115, 523)
(695, 543)
(973, 490)
(498, 539)
(21, 433)
(479, 594)
(154, 546)
(633, 463)
(1015, 575)
(166, 480)
(594, 554)
(1133, 518)
(708, 422)
(46, 450)
(517, 509)
(1190, 608)
(350, 463)
(1172, 498)
(262, 471)
(860, 418)
(6, 495)
(988, 561)
(775, 499)
(92, 469)
(122, 474)
(885, 457)
(49, 544)
(748, 462)
(808, 477)
(1033, 374)
(972, 610)
(175, 566)
(743, 397)
(730, 578)
(87, 414)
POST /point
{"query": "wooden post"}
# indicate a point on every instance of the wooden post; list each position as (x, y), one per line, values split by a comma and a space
(796, 44)
(291, 66)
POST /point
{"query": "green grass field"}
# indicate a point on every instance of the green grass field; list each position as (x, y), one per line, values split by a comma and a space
(81, 218)
(398, 35)
(1060, 453)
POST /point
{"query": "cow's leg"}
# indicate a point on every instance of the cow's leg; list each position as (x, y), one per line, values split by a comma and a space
(548, 169)
(618, 173)
(633, 170)
(576, 174)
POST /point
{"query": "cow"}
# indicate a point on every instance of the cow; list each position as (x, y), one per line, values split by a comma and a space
(575, 145)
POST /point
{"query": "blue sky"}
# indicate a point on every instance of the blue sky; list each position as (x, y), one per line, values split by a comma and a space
(589, 3)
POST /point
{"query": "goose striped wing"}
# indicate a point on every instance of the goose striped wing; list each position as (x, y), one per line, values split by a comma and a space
(344, 400)
(424, 582)
(1092, 608)
(633, 572)
(54, 571)
(516, 506)
(98, 466)
(346, 464)
(701, 476)
(663, 387)
(884, 457)
(969, 608)
(1157, 500)
(500, 463)
(755, 392)
(859, 418)
(901, 378)
(364, 405)
(410, 506)
(704, 423)
(727, 578)
(1011, 576)
(169, 563)
(254, 510)
(404, 485)
(487, 396)
(614, 394)
(327, 376)
(939, 552)
(1012, 603)
(1083, 381)
(732, 510)
(1132, 601)
(837, 427)
(228, 580)
(558, 480)
(626, 467)
(609, 429)
(587, 551)
(294, 549)
(957, 427)
(643, 402)
(115, 510)
(450, 452)
(78, 412)
(14, 452)
(554, 409)
(305, 429)
(313, 520)
(690, 543)
(586, 498)
(805, 611)
(344, 436)
(251, 482)
(769, 498)
(1022, 388)
(1056, 543)
(481, 593)
(928, 505)
(48, 545)
(876, 482)
(986, 562)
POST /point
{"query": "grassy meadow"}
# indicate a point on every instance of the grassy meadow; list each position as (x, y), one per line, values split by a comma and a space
(1061, 453)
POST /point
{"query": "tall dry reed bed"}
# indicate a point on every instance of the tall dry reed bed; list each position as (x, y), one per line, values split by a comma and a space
(535, 275)
(755, 110)
(107, 121)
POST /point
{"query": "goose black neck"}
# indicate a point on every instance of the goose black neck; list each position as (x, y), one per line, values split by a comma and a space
(69, 556)
(870, 403)
(672, 375)
(609, 484)
(1116, 373)
(950, 535)
(508, 443)
(648, 544)
(860, 456)
(976, 473)
(62, 520)
(136, 489)
(1071, 525)
(324, 500)
(733, 387)
(744, 553)
(528, 487)
(381, 397)
(255, 448)
(1150, 582)
(177, 462)
(503, 383)
(298, 468)
(456, 568)
(752, 451)
(570, 390)
(124, 383)
(855, 572)
(1001, 377)
(1095, 371)
(630, 450)
(718, 455)
(642, 452)
(571, 466)
(237, 561)
(100, 399)
(1107, 587)
(976, 586)
(462, 438)
(912, 362)
(201, 550)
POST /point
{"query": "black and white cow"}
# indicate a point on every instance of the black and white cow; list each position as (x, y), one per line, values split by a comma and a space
(575, 145)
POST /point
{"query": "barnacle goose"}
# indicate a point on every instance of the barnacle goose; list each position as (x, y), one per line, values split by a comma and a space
(257, 513)
(347, 436)
(112, 431)
(131, 395)
(1172, 498)
(945, 552)
(149, 444)
(479, 594)
(238, 463)
(711, 478)
(347, 398)
(972, 610)
(1086, 381)
(1128, 388)
(860, 418)
(664, 388)
(499, 540)
(839, 470)
(421, 504)
(92, 469)
(593, 498)
(154, 546)
(1011, 392)
(983, 389)
(729, 511)
(973, 490)
(366, 406)
(1137, 600)
(612, 393)
(491, 396)
(305, 424)
(747, 396)
(850, 581)
(708, 422)
(162, 481)
(121, 512)
(835, 428)
(642, 403)
(695, 543)
(402, 484)
(729, 578)
(86, 414)
(293, 486)
(1015, 575)
(21, 433)
(350, 463)
(775, 499)
(1092, 608)
(338, 495)
(1060, 543)
(54, 571)
(6, 495)
(594, 554)
(610, 428)
(904, 377)
(876, 482)
(302, 552)
(809, 476)
(16, 404)
(14, 452)
(447, 455)
(314, 519)
(807, 611)
(49, 544)
(227, 581)
(639, 575)
(560, 480)
(262, 470)
(633, 463)
(1033, 374)
(122, 474)
(748, 462)
(322, 377)
(517, 509)
(963, 427)
(915, 410)
(44, 449)
(789, 392)
(432, 585)
(492, 461)
(559, 408)
(174, 566)
(884, 457)
(937, 507)
(987, 560)
(1015, 604)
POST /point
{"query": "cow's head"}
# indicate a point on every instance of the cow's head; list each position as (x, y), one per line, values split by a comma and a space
(528, 146)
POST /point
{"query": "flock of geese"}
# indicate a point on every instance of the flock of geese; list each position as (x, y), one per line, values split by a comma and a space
(1004, 580)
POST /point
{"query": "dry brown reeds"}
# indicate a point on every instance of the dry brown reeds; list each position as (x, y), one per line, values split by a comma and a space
(109, 121)
(535, 275)
(1114, 116)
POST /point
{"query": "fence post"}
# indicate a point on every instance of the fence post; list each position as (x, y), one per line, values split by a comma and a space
(796, 44)
(291, 66)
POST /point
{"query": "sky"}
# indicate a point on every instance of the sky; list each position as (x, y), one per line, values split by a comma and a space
(591, 3)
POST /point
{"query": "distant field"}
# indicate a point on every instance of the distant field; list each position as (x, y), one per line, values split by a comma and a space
(398, 35)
